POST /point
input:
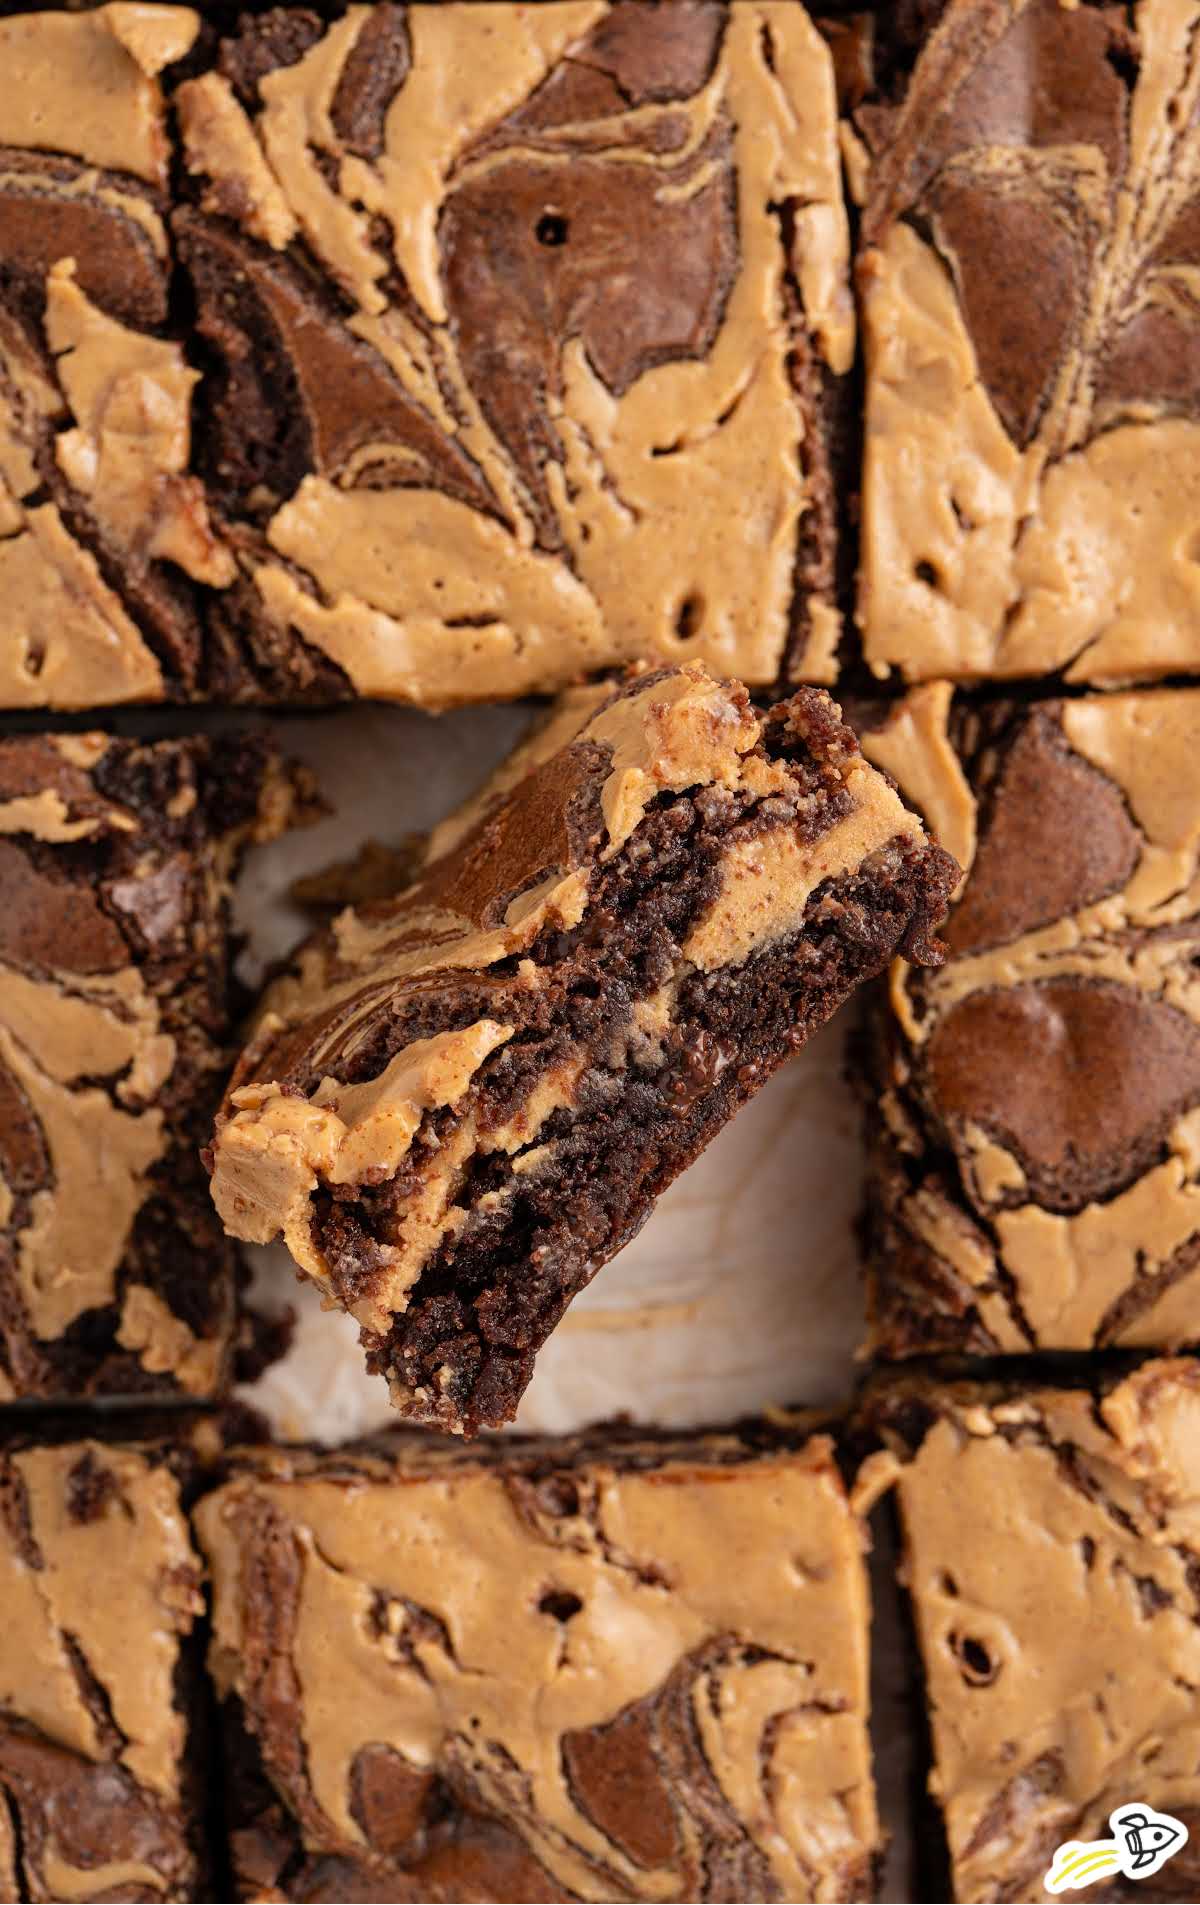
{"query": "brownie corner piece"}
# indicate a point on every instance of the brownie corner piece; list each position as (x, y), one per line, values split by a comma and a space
(101, 1776)
(460, 1103)
(587, 1668)
(1051, 1560)
(1033, 1106)
(1008, 434)
(116, 866)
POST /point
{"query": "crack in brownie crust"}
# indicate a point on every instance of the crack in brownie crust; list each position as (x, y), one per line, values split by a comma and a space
(476, 313)
(1030, 1514)
(116, 861)
(97, 1793)
(460, 1103)
(1032, 467)
(517, 1674)
(1035, 1105)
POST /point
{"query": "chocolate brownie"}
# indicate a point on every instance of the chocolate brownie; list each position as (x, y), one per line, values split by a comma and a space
(381, 353)
(116, 864)
(1053, 1564)
(1030, 231)
(101, 1789)
(105, 531)
(600, 1668)
(461, 1102)
(1034, 1108)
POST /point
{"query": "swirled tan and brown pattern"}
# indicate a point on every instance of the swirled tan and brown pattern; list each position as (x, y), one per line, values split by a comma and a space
(440, 352)
(100, 1587)
(1052, 1556)
(116, 861)
(459, 1103)
(1031, 293)
(1034, 1118)
(521, 1675)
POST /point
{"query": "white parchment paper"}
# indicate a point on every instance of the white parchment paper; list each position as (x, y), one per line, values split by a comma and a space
(741, 1291)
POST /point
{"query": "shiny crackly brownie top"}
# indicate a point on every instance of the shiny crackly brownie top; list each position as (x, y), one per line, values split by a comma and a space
(441, 352)
(572, 1672)
(1032, 473)
(1037, 1141)
(1053, 1559)
(99, 1584)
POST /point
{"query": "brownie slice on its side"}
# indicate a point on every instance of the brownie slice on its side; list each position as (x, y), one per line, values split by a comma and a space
(116, 865)
(462, 1102)
(101, 1775)
(609, 1667)
(1052, 1557)
(530, 329)
(1034, 1107)
(1031, 480)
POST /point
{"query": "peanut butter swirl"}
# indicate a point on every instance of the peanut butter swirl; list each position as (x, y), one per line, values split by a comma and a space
(1049, 1199)
(588, 256)
(433, 1065)
(1031, 1514)
(530, 1660)
(115, 864)
(92, 1740)
(1032, 468)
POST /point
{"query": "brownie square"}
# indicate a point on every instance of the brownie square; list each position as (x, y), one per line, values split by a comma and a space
(116, 865)
(438, 353)
(527, 322)
(1032, 460)
(101, 1778)
(612, 1667)
(1032, 1107)
(1051, 1557)
(459, 1103)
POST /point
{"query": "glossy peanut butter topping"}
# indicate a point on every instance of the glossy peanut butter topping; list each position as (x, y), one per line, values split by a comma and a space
(636, 424)
(89, 1514)
(219, 145)
(1032, 465)
(1073, 941)
(113, 881)
(304, 1114)
(450, 1613)
(83, 1053)
(130, 396)
(66, 638)
(85, 83)
(1026, 1520)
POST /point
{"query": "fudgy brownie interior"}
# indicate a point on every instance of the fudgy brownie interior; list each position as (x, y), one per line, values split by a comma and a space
(614, 954)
